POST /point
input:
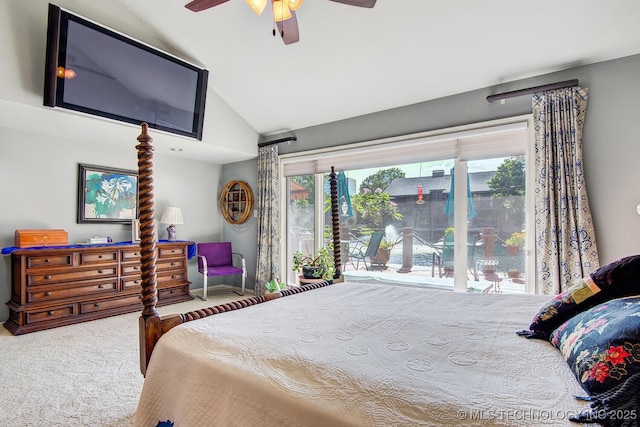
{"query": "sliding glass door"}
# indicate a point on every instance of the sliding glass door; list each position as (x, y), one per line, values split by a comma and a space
(435, 237)
(300, 219)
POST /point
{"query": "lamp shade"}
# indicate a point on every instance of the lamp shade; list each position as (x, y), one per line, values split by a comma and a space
(172, 215)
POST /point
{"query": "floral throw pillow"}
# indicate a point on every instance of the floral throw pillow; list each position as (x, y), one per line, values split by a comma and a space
(602, 348)
(615, 280)
(602, 344)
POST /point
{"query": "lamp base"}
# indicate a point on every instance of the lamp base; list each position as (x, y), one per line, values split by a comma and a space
(172, 232)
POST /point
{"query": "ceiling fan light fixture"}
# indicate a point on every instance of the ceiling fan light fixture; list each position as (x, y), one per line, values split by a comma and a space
(281, 11)
(294, 4)
(257, 5)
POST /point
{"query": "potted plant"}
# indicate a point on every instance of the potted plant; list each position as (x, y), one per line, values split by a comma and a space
(318, 266)
(383, 253)
(274, 285)
(515, 242)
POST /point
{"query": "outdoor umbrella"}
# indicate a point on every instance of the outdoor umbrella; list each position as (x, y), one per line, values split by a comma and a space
(343, 196)
(471, 208)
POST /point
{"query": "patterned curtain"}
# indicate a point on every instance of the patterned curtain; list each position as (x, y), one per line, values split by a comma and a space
(565, 239)
(268, 205)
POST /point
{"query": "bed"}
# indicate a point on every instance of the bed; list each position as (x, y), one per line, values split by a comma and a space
(346, 354)
(356, 354)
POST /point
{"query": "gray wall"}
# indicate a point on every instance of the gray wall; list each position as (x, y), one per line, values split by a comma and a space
(40, 148)
(39, 174)
(611, 139)
(243, 236)
(39, 187)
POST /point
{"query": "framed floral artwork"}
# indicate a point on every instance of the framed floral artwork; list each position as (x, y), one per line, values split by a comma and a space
(107, 194)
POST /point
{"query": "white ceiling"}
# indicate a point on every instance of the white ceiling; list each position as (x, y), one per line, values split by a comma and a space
(352, 61)
(349, 61)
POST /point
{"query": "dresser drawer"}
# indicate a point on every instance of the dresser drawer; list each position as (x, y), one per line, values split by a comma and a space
(50, 261)
(164, 278)
(98, 257)
(128, 269)
(51, 293)
(52, 313)
(130, 254)
(165, 294)
(131, 282)
(70, 275)
(171, 252)
(171, 264)
(93, 306)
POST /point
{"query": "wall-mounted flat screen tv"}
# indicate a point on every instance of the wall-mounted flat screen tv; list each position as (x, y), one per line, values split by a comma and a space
(96, 70)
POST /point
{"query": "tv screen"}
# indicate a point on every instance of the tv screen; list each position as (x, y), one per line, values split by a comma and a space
(95, 70)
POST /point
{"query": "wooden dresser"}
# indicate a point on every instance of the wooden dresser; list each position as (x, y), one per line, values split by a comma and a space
(60, 286)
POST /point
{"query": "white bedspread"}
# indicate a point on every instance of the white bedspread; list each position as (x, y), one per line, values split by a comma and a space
(355, 354)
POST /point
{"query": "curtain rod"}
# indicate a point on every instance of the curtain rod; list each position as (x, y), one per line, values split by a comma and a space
(277, 141)
(520, 92)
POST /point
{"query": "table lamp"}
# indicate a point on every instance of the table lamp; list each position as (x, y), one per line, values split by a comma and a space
(172, 215)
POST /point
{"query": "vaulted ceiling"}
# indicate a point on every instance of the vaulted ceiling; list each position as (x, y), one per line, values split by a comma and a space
(349, 61)
(352, 61)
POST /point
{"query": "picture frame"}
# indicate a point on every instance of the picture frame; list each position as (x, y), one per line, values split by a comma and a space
(135, 230)
(107, 195)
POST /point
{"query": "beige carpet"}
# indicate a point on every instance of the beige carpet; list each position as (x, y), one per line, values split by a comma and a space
(80, 375)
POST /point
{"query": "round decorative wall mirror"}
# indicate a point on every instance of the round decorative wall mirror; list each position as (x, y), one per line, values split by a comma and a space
(236, 202)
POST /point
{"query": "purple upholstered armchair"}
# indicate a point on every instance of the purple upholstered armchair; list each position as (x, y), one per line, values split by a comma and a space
(216, 259)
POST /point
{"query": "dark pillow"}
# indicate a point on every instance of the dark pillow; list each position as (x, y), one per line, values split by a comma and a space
(615, 280)
(602, 348)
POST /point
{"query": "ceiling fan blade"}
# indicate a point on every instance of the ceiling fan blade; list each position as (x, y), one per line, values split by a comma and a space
(359, 3)
(200, 5)
(289, 29)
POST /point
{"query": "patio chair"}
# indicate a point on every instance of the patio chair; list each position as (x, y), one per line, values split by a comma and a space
(356, 252)
(448, 251)
(216, 259)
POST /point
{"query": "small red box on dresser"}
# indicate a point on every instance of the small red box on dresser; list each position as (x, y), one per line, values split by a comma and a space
(31, 238)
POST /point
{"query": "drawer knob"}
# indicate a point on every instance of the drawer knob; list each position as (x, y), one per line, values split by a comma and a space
(99, 256)
(174, 277)
(136, 254)
(47, 294)
(172, 291)
(135, 282)
(100, 286)
(47, 277)
(100, 271)
(173, 251)
(47, 260)
(96, 304)
(136, 268)
(51, 312)
(173, 264)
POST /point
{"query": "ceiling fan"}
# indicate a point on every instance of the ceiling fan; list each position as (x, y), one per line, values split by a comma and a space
(283, 13)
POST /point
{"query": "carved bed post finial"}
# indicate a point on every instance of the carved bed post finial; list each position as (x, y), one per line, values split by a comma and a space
(335, 222)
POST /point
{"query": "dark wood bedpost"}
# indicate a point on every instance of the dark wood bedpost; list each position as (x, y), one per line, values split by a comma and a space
(149, 324)
(335, 223)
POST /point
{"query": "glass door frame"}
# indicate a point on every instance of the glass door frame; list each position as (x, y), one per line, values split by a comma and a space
(460, 203)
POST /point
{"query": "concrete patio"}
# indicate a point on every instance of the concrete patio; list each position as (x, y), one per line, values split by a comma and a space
(426, 275)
